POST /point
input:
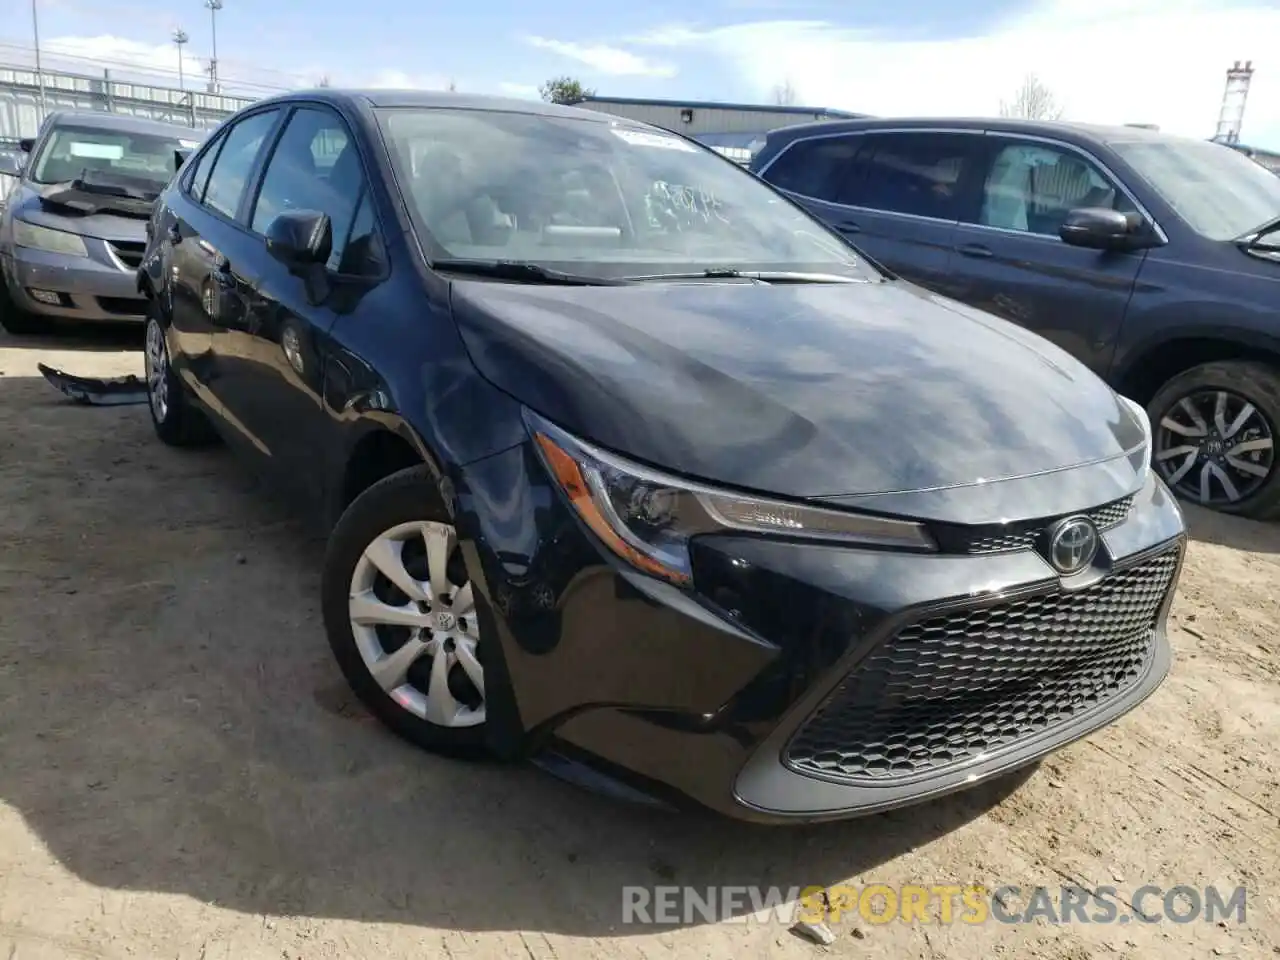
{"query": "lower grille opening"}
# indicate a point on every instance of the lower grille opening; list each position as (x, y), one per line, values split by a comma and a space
(945, 690)
(124, 306)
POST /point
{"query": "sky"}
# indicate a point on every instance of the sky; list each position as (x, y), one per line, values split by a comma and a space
(1105, 61)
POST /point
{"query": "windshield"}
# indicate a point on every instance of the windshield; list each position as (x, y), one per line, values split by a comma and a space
(1220, 192)
(70, 152)
(595, 198)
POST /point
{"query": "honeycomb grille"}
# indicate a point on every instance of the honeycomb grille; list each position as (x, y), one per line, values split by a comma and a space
(1024, 536)
(947, 689)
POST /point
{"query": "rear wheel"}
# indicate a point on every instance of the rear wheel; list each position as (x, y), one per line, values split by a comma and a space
(177, 421)
(1214, 434)
(401, 616)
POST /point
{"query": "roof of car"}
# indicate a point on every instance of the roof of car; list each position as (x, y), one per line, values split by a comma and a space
(125, 123)
(444, 99)
(1089, 131)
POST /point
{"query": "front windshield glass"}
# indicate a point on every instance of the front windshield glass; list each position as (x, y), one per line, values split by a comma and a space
(1220, 192)
(599, 198)
(70, 152)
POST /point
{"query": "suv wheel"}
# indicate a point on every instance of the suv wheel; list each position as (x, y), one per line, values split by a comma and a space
(1213, 436)
(401, 616)
(178, 423)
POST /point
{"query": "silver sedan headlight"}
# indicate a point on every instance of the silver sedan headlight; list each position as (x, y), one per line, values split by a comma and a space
(647, 518)
(1140, 458)
(35, 237)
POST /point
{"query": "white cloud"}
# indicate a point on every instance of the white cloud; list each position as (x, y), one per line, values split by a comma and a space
(401, 80)
(525, 91)
(1107, 61)
(605, 59)
(75, 54)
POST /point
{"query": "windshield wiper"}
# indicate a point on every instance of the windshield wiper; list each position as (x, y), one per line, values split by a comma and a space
(765, 276)
(1268, 226)
(522, 271)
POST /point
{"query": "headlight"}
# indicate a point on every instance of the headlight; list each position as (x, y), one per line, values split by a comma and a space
(1141, 458)
(42, 238)
(647, 518)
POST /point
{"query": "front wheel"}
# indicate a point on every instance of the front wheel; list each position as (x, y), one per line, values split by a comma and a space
(401, 616)
(1213, 437)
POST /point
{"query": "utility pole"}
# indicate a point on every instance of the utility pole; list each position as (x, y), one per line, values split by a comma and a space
(35, 29)
(214, 6)
(180, 38)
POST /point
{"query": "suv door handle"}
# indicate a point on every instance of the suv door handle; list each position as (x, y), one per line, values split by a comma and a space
(974, 250)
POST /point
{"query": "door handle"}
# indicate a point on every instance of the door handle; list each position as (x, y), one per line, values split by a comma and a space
(848, 226)
(974, 250)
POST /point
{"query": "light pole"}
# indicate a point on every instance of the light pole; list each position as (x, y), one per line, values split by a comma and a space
(35, 29)
(214, 6)
(180, 38)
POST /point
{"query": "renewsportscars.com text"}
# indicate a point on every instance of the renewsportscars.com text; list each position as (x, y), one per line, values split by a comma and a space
(936, 903)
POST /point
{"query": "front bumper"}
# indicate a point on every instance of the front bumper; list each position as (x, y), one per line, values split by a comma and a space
(702, 697)
(99, 287)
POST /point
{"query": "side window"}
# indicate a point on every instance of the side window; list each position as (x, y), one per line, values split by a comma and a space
(230, 175)
(198, 178)
(362, 254)
(916, 173)
(315, 166)
(817, 168)
(1031, 187)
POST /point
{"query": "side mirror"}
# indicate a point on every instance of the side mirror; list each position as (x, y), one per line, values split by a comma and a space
(300, 238)
(27, 144)
(1100, 228)
(10, 165)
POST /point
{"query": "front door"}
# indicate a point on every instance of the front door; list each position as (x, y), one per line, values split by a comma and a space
(278, 373)
(1009, 259)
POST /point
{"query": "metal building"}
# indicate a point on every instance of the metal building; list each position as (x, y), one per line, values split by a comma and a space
(730, 128)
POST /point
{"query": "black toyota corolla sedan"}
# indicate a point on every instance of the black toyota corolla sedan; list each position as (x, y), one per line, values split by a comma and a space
(630, 463)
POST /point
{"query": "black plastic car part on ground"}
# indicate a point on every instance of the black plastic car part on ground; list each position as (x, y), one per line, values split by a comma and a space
(631, 465)
(1154, 259)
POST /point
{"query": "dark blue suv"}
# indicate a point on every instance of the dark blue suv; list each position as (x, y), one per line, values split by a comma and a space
(1153, 259)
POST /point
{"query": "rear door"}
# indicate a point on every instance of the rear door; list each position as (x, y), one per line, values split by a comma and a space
(214, 259)
(1009, 258)
(904, 199)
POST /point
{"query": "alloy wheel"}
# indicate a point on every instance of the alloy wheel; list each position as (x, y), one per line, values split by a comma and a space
(156, 360)
(413, 617)
(1214, 447)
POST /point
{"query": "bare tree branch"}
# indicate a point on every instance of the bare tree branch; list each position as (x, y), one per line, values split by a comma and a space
(1033, 101)
(784, 94)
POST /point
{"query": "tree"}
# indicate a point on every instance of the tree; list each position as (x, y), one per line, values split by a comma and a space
(453, 86)
(1034, 101)
(784, 94)
(564, 90)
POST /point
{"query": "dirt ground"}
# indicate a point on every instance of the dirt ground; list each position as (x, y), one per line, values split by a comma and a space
(182, 774)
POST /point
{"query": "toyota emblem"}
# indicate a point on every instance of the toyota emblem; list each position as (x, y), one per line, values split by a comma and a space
(1073, 545)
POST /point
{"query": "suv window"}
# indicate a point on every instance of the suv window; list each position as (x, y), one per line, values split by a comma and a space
(817, 168)
(315, 166)
(916, 173)
(1032, 187)
(231, 170)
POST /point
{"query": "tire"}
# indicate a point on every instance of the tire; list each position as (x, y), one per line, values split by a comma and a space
(177, 421)
(16, 320)
(399, 508)
(1184, 418)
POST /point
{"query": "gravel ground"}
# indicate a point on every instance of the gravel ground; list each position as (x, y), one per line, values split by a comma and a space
(182, 773)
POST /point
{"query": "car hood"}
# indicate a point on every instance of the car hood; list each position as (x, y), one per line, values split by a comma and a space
(31, 205)
(801, 390)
